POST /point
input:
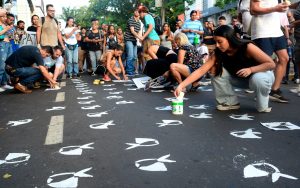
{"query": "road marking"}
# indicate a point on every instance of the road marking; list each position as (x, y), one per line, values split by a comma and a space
(62, 84)
(60, 97)
(55, 130)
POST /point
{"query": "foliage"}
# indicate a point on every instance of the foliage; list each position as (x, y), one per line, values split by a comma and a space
(222, 3)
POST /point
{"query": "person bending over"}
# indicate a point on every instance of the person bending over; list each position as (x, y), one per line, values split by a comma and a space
(21, 66)
(237, 62)
(113, 63)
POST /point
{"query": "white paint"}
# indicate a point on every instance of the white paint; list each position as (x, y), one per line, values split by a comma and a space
(281, 126)
(140, 142)
(110, 89)
(124, 102)
(121, 81)
(132, 89)
(114, 97)
(82, 88)
(199, 107)
(56, 108)
(116, 93)
(60, 97)
(53, 89)
(249, 133)
(128, 85)
(76, 80)
(62, 84)
(174, 98)
(90, 107)
(203, 115)
(169, 123)
(205, 89)
(13, 158)
(140, 82)
(251, 171)
(108, 85)
(102, 125)
(158, 91)
(85, 98)
(71, 182)
(19, 122)
(167, 108)
(157, 166)
(75, 150)
(86, 102)
(55, 130)
(97, 114)
(85, 90)
(241, 117)
(89, 93)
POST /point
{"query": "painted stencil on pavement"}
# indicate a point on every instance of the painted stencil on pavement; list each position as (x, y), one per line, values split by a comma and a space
(19, 122)
(158, 165)
(281, 126)
(169, 123)
(142, 142)
(75, 150)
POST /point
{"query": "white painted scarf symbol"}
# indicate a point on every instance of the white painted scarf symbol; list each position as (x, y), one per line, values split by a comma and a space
(97, 114)
(199, 107)
(86, 102)
(114, 97)
(14, 158)
(157, 166)
(124, 102)
(55, 108)
(102, 125)
(167, 108)
(201, 116)
(169, 123)
(264, 169)
(19, 122)
(71, 182)
(90, 107)
(281, 126)
(241, 117)
(249, 133)
(140, 142)
(75, 150)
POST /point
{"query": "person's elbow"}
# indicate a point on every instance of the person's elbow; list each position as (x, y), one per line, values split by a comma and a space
(272, 65)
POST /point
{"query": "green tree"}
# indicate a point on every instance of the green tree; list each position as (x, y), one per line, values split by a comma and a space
(222, 3)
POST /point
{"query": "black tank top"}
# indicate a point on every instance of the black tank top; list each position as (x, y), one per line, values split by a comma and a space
(162, 52)
(238, 61)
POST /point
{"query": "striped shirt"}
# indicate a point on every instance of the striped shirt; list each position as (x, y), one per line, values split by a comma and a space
(193, 25)
(132, 23)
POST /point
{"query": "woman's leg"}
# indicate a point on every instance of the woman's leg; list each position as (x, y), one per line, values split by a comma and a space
(178, 70)
(261, 83)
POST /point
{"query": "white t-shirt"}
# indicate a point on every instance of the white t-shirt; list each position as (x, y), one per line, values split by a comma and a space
(72, 40)
(49, 62)
(266, 25)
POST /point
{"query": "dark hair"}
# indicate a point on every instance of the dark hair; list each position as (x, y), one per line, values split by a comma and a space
(10, 15)
(143, 9)
(222, 18)
(108, 32)
(20, 21)
(192, 12)
(48, 49)
(117, 46)
(234, 17)
(33, 17)
(234, 42)
(49, 5)
(94, 19)
(58, 48)
(69, 18)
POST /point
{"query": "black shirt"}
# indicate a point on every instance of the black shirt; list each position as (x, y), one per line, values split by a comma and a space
(238, 61)
(162, 52)
(25, 56)
(32, 28)
(91, 45)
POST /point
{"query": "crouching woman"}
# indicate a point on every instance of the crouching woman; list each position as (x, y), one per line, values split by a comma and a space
(237, 63)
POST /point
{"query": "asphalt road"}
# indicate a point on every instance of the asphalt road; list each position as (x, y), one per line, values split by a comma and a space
(134, 144)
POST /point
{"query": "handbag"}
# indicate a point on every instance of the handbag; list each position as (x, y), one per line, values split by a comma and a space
(100, 70)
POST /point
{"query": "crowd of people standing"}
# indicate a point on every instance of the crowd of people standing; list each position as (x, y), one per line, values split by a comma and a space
(226, 52)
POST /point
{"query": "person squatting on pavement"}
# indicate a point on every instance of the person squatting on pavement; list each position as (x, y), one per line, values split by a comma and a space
(20, 65)
(236, 62)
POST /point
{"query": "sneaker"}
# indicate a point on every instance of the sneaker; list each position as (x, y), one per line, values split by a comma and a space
(276, 96)
(2, 90)
(77, 76)
(249, 91)
(106, 78)
(297, 81)
(269, 109)
(93, 74)
(36, 85)
(22, 88)
(7, 87)
(68, 76)
(224, 107)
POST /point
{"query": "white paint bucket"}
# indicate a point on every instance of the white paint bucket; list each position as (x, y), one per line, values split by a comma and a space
(177, 107)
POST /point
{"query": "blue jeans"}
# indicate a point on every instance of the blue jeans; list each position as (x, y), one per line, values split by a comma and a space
(72, 61)
(131, 51)
(5, 52)
(95, 56)
(27, 75)
(260, 83)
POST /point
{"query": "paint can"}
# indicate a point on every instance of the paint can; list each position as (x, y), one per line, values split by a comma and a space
(102, 82)
(177, 107)
(96, 82)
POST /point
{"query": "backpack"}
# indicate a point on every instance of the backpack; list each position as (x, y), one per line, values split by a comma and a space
(112, 42)
(158, 24)
(43, 20)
